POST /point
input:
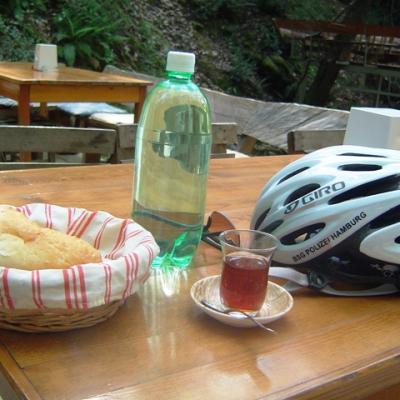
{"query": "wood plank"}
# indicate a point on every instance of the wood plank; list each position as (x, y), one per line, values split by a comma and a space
(85, 93)
(9, 166)
(24, 115)
(9, 89)
(392, 393)
(224, 133)
(268, 122)
(56, 139)
(111, 120)
(338, 28)
(392, 71)
(180, 316)
(24, 105)
(126, 136)
(376, 91)
(142, 91)
(246, 144)
(23, 73)
(305, 141)
(159, 345)
(44, 110)
(41, 349)
(20, 383)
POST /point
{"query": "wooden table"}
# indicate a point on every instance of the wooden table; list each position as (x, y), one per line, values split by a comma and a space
(19, 81)
(160, 346)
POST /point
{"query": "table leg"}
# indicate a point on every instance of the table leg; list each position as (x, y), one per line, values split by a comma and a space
(24, 117)
(44, 110)
(139, 104)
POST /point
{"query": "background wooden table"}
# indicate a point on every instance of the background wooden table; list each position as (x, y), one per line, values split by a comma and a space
(19, 81)
(160, 346)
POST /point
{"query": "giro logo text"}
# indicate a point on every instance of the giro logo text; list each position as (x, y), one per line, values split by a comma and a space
(315, 195)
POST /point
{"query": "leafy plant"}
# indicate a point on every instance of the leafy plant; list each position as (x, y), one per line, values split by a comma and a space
(87, 32)
(243, 74)
(310, 10)
(17, 8)
(230, 9)
(146, 48)
(23, 35)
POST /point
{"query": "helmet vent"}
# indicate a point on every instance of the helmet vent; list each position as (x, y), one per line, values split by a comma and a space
(397, 240)
(303, 234)
(383, 185)
(360, 167)
(260, 219)
(301, 192)
(388, 218)
(361, 155)
(292, 174)
(274, 225)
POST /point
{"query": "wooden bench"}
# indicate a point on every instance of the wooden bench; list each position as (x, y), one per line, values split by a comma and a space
(306, 141)
(224, 134)
(369, 44)
(45, 139)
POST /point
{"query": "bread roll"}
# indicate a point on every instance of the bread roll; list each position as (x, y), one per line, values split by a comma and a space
(24, 244)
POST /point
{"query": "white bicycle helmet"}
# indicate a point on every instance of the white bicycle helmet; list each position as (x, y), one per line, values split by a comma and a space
(336, 213)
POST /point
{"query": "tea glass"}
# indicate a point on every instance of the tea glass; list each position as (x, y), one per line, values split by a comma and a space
(247, 256)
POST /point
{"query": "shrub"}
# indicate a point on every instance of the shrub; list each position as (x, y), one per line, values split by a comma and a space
(149, 48)
(87, 32)
(23, 35)
(16, 9)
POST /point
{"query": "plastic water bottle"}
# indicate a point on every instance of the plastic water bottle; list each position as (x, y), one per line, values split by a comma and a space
(173, 147)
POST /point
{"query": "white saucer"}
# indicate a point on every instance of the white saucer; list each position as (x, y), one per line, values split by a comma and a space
(277, 303)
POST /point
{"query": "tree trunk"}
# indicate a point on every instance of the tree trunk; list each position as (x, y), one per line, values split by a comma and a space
(328, 70)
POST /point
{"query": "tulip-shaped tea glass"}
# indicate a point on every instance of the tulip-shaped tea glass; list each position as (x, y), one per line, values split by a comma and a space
(246, 259)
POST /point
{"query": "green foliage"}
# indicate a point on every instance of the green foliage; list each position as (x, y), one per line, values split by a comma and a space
(242, 73)
(259, 68)
(266, 149)
(278, 66)
(304, 76)
(17, 8)
(310, 9)
(256, 60)
(203, 10)
(146, 48)
(274, 8)
(87, 32)
(11, 33)
(237, 46)
(384, 12)
(18, 37)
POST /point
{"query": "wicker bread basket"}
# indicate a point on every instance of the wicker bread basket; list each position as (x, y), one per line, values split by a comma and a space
(55, 300)
(56, 320)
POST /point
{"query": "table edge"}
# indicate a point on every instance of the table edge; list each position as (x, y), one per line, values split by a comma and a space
(15, 376)
(128, 79)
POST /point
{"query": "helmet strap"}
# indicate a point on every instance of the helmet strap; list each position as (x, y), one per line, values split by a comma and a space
(320, 282)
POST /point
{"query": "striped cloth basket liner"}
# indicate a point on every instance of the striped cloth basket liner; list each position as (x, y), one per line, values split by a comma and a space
(61, 299)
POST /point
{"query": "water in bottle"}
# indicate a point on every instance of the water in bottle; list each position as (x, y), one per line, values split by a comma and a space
(173, 147)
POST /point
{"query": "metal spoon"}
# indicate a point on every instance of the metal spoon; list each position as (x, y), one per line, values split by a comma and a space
(231, 311)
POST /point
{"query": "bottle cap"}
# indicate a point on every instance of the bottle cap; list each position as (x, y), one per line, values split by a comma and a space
(180, 61)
